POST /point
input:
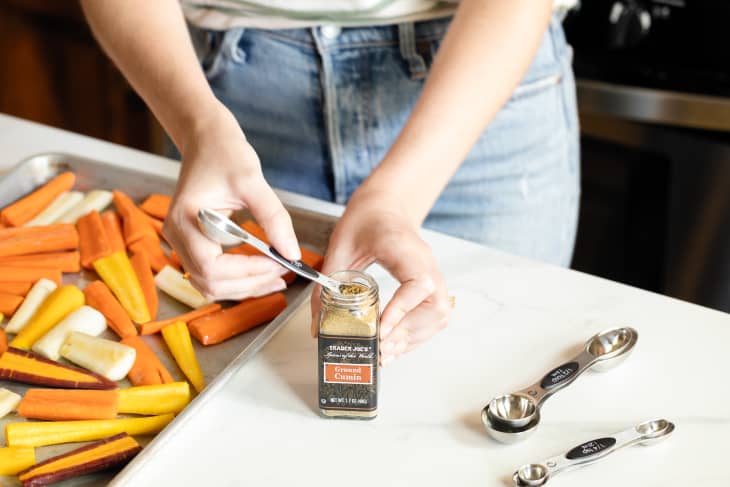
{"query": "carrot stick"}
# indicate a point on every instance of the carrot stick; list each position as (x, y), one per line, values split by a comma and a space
(100, 297)
(156, 256)
(10, 273)
(175, 260)
(69, 261)
(147, 368)
(222, 325)
(9, 303)
(141, 266)
(177, 338)
(134, 223)
(93, 242)
(156, 224)
(17, 288)
(25, 209)
(156, 205)
(68, 404)
(59, 304)
(113, 228)
(117, 273)
(154, 326)
(3, 342)
(35, 240)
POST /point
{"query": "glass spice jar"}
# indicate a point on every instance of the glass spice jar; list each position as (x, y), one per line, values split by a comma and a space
(348, 347)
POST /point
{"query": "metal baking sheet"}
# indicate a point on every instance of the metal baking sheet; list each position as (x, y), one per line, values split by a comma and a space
(218, 362)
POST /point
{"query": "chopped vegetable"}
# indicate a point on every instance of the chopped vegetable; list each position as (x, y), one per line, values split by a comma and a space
(100, 297)
(173, 283)
(177, 338)
(93, 242)
(3, 338)
(54, 211)
(16, 459)
(25, 209)
(175, 259)
(105, 357)
(151, 247)
(9, 303)
(8, 402)
(33, 301)
(68, 404)
(116, 271)
(59, 304)
(95, 200)
(156, 224)
(34, 240)
(141, 266)
(111, 452)
(134, 223)
(147, 368)
(41, 433)
(85, 319)
(154, 326)
(113, 231)
(29, 274)
(155, 399)
(69, 261)
(30, 368)
(156, 205)
(222, 325)
(17, 288)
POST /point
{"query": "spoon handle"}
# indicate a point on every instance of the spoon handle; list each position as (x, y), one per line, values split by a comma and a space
(559, 377)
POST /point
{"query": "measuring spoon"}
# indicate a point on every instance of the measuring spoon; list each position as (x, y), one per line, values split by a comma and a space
(221, 229)
(647, 433)
(519, 412)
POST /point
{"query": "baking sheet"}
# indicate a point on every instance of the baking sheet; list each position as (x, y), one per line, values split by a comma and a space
(218, 362)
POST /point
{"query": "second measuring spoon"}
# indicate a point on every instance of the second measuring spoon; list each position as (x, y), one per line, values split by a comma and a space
(221, 229)
(511, 417)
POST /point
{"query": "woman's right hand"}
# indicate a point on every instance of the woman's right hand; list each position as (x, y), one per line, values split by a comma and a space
(220, 170)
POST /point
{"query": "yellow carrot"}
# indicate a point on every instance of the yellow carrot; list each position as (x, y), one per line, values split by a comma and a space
(59, 304)
(178, 341)
(41, 433)
(117, 272)
(15, 459)
(156, 399)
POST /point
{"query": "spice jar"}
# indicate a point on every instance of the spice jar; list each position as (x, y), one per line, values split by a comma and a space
(348, 347)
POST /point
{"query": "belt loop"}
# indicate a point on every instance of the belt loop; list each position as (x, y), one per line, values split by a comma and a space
(407, 39)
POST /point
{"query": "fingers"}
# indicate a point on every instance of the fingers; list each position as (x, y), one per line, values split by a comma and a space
(268, 211)
(237, 289)
(409, 295)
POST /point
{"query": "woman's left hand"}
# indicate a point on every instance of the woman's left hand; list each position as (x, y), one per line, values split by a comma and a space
(376, 228)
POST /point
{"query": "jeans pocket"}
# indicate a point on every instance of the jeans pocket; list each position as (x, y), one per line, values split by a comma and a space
(216, 49)
(534, 87)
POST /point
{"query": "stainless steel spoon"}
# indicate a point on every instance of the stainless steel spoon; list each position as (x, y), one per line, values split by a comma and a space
(647, 433)
(508, 418)
(221, 229)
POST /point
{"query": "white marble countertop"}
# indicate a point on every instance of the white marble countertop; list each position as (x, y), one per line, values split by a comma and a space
(514, 320)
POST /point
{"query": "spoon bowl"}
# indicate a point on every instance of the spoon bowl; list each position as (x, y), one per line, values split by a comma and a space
(513, 410)
(611, 347)
(531, 475)
(504, 433)
(220, 228)
(654, 431)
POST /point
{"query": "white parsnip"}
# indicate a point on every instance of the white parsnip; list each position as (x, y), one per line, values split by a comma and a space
(58, 207)
(85, 319)
(33, 300)
(8, 401)
(173, 283)
(97, 199)
(112, 360)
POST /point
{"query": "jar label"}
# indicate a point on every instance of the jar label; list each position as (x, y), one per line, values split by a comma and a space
(348, 373)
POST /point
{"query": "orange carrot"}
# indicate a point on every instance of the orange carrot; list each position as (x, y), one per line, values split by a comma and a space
(3, 341)
(217, 327)
(147, 368)
(10, 273)
(93, 242)
(17, 288)
(69, 261)
(156, 205)
(134, 223)
(154, 326)
(100, 297)
(25, 209)
(113, 228)
(68, 404)
(156, 224)
(141, 266)
(35, 240)
(156, 256)
(9, 303)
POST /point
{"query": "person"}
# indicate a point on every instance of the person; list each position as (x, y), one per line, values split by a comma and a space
(459, 116)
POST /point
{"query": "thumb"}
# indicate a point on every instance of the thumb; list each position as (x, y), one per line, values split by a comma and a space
(268, 211)
(335, 260)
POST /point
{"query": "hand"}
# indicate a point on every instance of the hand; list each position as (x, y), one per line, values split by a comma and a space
(376, 228)
(220, 170)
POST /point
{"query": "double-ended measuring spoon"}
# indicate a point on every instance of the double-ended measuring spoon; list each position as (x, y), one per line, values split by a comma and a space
(537, 474)
(512, 417)
(221, 229)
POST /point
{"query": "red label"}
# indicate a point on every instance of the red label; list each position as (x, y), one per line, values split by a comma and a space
(348, 374)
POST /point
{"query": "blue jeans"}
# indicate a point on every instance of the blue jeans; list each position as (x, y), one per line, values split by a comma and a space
(322, 107)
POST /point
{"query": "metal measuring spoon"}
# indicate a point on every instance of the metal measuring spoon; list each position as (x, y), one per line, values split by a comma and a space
(221, 229)
(506, 416)
(647, 433)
